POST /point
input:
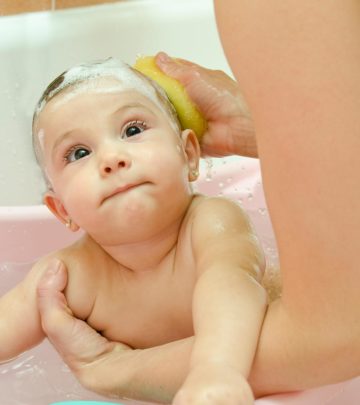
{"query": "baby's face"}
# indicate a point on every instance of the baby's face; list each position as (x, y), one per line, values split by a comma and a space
(116, 164)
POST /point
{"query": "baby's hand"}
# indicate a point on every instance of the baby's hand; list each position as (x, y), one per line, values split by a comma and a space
(214, 385)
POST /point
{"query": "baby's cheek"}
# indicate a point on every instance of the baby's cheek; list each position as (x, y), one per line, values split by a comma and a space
(78, 198)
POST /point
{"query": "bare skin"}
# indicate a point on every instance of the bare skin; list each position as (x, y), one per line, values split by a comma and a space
(157, 264)
(219, 98)
(297, 64)
(146, 308)
(298, 71)
(139, 308)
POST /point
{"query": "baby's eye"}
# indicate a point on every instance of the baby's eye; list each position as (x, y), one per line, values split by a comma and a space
(76, 153)
(134, 128)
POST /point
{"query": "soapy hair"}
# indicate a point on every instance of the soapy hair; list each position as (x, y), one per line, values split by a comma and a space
(75, 79)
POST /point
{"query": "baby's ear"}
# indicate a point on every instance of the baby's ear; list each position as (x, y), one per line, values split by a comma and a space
(57, 208)
(192, 152)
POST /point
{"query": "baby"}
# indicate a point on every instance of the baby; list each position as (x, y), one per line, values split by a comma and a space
(156, 262)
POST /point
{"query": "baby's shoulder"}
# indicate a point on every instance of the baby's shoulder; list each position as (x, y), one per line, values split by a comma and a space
(211, 210)
(74, 256)
(218, 219)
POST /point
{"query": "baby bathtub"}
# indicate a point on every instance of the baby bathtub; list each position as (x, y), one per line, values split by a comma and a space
(33, 49)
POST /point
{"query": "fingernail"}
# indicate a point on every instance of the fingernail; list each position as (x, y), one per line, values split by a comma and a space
(164, 57)
(54, 266)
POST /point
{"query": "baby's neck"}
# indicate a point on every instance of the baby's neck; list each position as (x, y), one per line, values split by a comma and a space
(148, 254)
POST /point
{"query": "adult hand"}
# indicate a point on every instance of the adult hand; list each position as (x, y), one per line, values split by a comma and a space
(218, 97)
(84, 350)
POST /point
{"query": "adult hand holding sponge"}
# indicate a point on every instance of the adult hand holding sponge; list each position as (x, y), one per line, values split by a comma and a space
(188, 114)
(208, 101)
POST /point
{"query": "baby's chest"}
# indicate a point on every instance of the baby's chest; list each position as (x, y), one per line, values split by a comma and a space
(145, 311)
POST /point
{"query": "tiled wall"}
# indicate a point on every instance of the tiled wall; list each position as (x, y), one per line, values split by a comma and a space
(23, 6)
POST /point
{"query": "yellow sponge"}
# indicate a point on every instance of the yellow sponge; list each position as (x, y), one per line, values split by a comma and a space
(189, 116)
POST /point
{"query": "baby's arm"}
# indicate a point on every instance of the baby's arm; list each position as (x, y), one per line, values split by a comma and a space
(20, 324)
(228, 306)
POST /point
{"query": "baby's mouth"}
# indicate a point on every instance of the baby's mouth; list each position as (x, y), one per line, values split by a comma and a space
(120, 190)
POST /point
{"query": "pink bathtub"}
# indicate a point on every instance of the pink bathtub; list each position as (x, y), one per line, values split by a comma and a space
(33, 49)
(39, 376)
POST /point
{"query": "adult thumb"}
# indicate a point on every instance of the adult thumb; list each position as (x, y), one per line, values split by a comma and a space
(73, 338)
(50, 288)
(56, 317)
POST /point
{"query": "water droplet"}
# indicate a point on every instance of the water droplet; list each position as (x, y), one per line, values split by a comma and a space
(262, 211)
(221, 185)
(250, 197)
(209, 166)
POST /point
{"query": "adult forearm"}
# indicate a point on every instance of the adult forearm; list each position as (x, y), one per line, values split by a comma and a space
(163, 368)
(291, 355)
(299, 72)
(153, 374)
(295, 353)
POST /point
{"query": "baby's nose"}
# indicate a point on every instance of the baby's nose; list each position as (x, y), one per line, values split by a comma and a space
(114, 162)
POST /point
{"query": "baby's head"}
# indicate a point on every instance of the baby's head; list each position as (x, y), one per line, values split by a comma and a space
(112, 151)
(81, 78)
